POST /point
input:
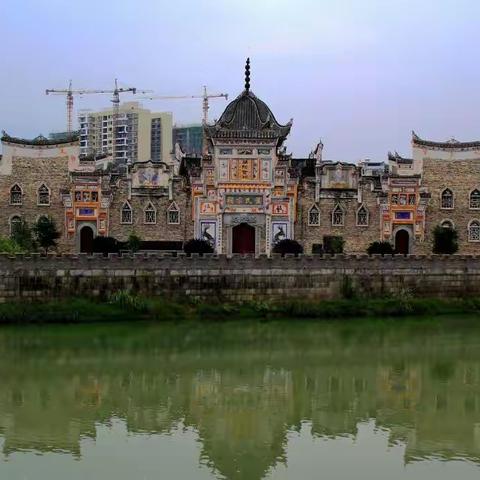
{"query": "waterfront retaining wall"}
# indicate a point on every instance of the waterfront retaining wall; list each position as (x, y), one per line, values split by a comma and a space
(239, 277)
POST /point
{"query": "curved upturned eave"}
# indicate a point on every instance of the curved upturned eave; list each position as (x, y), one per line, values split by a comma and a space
(416, 140)
(7, 139)
(255, 121)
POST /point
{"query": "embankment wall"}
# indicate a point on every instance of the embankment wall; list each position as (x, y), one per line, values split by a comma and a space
(238, 278)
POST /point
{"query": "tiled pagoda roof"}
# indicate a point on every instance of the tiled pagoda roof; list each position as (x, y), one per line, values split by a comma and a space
(248, 117)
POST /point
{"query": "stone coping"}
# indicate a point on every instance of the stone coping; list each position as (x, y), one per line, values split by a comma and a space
(235, 257)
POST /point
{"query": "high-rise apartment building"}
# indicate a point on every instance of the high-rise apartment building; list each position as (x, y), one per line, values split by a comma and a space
(141, 134)
(189, 137)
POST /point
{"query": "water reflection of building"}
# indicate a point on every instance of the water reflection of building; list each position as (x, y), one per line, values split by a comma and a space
(243, 401)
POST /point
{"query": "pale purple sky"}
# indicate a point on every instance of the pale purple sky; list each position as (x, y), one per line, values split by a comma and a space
(359, 74)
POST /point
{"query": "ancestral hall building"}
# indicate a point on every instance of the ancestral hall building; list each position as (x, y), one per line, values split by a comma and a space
(245, 193)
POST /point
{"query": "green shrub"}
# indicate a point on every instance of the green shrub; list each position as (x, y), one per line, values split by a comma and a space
(445, 240)
(106, 245)
(287, 246)
(134, 242)
(333, 244)
(383, 248)
(8, 245)
(129, 301)
(197, 245)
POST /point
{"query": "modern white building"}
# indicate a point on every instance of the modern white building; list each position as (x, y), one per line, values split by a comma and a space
(142, 135)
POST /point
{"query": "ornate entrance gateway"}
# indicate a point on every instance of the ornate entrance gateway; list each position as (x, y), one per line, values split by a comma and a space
(243, 239)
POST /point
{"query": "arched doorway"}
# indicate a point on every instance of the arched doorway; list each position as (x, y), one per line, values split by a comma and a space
(86, 239)
(243, 239)
(402, 242)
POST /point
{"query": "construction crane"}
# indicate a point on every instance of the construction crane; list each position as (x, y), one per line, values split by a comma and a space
(115, 101)
(206, 96)
(69, 92)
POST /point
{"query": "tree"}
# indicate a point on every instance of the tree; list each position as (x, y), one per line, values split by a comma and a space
(287, 246)
(22, 236)
(46, 233)
(445, 240)
(383, 248)
(333, 244)
(134, 242)
(196, 245)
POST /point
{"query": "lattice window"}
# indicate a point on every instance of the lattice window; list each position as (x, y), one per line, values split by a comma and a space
(43, 195)
(15, 223)
(474, 231)
(475, 199)
(16, 195)
(150, 214)
(362, 217)
(337, 216)
(447, 199)
(447, 224)
(173, 214)
(314, 216)
(126, 214)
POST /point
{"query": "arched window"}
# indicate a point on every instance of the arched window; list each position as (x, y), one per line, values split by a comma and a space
(15, 223)
(447, 224)
(474, 231)
(447, 199)
(475, 199)
(362, 217)
(43, 195)
(16, 195)
(337, 216)
(314, 216)
(126, 213)
(150, 214)
(173, 214)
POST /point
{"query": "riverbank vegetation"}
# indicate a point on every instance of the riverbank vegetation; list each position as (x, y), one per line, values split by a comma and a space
(125, 306)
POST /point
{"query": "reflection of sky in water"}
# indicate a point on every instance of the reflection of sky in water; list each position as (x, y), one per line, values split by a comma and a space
(367, 456)
(252, 401)
(115, 455)
(118, 455)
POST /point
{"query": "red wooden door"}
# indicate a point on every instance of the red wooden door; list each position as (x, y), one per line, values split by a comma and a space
(243, 239)
(86, 240)
(402, 240)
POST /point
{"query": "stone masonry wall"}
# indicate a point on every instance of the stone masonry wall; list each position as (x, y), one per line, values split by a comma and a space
(461, 177)
(161, 230)
(357, 238)
(238, 278)
(30, 174)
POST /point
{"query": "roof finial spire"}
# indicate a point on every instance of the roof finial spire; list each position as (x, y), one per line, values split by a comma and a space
(247, 75)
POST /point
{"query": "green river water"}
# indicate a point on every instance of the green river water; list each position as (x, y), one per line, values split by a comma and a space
(283, 400)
